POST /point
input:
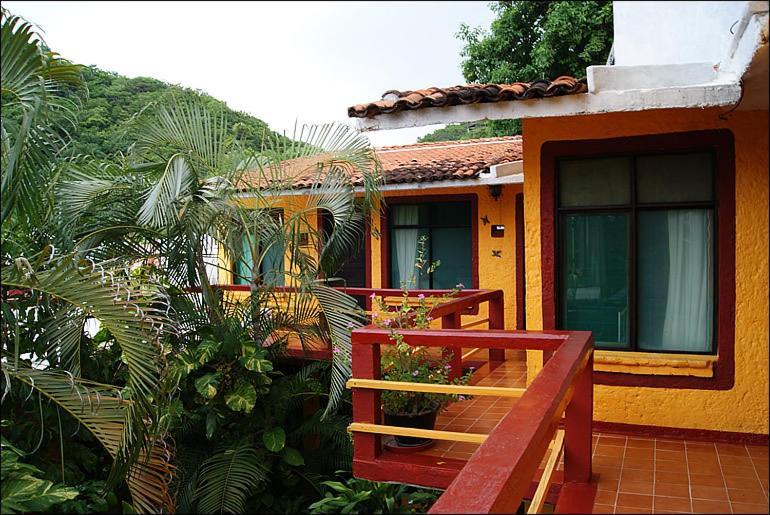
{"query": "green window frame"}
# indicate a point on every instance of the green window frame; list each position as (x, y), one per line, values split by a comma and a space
(448, 227)
(637, 249)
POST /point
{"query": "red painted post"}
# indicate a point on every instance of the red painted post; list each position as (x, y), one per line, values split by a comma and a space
(366, 403)
(577, 426)
(497, 321)
(453, 321)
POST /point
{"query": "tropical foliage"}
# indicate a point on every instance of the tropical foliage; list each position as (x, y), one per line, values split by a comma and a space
(361, 496)
(530, 40)
(114, 338)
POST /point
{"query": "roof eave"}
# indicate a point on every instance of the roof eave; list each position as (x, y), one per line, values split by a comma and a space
(713, 94)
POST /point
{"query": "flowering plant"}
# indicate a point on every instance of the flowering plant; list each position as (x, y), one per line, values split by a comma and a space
(403, 362)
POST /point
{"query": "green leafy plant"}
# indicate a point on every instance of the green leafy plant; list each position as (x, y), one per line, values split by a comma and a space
(24, 489)
(362, 496)
(407, 363)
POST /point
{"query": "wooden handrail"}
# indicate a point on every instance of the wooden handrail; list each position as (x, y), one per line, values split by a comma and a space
(402, 386)
(459, 338)
(496, 470)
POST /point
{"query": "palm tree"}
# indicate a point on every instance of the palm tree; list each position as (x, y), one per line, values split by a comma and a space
(183, 187)
(49, 290)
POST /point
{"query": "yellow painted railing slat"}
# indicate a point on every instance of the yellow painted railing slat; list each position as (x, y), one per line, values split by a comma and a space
(362, 427)
(378, 384)
(557, 447)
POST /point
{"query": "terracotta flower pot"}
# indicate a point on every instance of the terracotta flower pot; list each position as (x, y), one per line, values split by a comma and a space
(423, 420)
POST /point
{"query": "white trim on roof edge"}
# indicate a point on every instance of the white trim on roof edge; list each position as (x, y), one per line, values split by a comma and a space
(607, 101)
(619, 88)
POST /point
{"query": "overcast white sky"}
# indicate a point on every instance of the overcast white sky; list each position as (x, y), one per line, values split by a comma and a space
(279, 61)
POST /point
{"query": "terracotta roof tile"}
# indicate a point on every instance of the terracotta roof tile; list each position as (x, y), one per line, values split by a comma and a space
(394, 101)
(418, 162)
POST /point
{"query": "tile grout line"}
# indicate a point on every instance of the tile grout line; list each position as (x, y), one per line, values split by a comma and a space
(655, 469)
(756, 473)
(689, 481)
(722, 473)
(620, 479)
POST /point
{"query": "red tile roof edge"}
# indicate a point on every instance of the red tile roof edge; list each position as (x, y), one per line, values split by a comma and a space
(394, 101)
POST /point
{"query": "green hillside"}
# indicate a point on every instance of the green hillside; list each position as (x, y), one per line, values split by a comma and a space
(104, 126)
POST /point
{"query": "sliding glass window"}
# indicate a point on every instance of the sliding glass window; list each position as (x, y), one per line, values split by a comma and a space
(636, 251)
(447, 229)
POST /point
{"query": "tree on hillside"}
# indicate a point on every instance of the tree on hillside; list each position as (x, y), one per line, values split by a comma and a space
(527, 41)
(105, 120)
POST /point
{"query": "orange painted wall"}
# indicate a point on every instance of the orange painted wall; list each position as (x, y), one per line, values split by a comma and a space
(744, 408)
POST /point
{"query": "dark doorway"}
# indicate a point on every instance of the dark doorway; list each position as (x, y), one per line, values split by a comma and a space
(351, 273)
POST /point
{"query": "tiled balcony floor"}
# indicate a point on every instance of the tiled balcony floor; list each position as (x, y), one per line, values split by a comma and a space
(634, 475)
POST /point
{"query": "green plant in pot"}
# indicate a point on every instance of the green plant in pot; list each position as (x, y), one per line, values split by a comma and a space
(403, 362)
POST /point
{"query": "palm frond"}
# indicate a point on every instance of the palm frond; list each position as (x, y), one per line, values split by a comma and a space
(342, 314)
(227, 479)
(102, 410)
(130, 310)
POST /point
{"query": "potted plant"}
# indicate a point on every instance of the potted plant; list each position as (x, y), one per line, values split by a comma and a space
(403, 362)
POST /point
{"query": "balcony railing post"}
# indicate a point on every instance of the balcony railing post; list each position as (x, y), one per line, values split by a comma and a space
(579, 417)
(497, 321)
(366, 403)
(453, 321)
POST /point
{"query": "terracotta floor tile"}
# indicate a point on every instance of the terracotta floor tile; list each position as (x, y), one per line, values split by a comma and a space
(613, 440)
(626, 509)
(640, 443)
(611, 461)
(674, 478)
(603, 508)
(753, 496)
(635, 487)
(610, 485)
(747, 483)
(671, 466)
(711, 493)
(669, 445)
(741, 461)
(634, 501)
(605, 497)
(637, 475)
(732, 449)
(758, 451)
(704, 506)
(639, 454)
(607, 473)
(609, 450)
(706, 480)
(665, 455)
(705, 446)
(673, 490)
(640, 463)
(699, 468)
(465, 447)
(739, 507)
(671, 503)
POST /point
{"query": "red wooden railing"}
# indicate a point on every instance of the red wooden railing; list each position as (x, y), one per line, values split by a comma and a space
(462, 303)
(500, 473)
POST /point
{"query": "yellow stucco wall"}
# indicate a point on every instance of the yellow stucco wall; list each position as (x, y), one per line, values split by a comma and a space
(289, 205)
(494, 272)
(744, 408)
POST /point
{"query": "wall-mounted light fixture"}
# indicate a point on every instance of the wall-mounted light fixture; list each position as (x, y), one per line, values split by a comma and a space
(495, 190)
